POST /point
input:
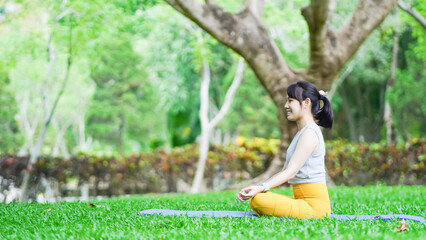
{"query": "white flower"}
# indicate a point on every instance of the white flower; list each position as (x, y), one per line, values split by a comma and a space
(322, 92)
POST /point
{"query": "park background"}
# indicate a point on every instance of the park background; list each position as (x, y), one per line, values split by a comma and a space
(102, 98)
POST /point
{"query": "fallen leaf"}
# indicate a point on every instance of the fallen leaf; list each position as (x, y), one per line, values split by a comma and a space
(48, 210)
(403, 227)
(93, 205)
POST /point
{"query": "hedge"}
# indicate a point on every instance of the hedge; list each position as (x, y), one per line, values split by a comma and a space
(347, 164)
(370, 163)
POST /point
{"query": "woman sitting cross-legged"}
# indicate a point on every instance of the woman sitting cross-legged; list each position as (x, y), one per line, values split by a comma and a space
(304, 167)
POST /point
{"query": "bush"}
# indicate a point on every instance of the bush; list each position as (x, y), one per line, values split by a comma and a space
(157, 171)
(347, 163)
(369, 163)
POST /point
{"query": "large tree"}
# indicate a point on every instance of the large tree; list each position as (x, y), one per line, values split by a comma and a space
(330, 49)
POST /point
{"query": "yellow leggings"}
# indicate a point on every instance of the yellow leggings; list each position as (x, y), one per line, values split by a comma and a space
(310, 200)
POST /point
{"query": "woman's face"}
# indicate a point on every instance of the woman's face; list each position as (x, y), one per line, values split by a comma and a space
(294, 109)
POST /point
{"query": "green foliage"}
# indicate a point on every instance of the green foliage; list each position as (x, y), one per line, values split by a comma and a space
(173, 72)
(364, 93)
(407, 99)
(347, 164)
(10, 138)
(407, 94)
(372, 163)
(118, 217)
(364, 89)
(418, 31)
(287, 27)
(123, 97)
(150, 170)
(253, 112)
(93, 23)
(160, 56)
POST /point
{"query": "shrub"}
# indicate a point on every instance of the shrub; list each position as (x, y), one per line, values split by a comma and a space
(347, 163)
(369, 163)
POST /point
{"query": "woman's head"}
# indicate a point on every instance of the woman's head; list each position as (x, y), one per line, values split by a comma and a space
(301, 91)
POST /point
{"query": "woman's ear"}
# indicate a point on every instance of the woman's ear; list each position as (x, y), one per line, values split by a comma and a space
(307, 102)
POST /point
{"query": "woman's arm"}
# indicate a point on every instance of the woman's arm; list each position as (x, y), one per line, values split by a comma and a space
(307, 145)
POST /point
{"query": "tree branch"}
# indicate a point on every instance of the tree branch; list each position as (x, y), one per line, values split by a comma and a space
(51, 58)
(177, 7)
(204, 94)
(339, 80)
(65, 81)
(245, 34)
(316, 16)
(256, 7)
(368, 16)
(211, 2)
(35, 151)
(209, 17)
(229, 94)
(413, 13)
(64, 14)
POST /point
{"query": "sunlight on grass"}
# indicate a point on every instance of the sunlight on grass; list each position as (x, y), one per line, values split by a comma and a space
(119, 218)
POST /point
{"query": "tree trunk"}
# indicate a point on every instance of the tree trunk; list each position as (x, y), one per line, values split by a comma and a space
(83, 143)
(27, 127)
(60, 146)
(348, 115)
(35, 152)
(330, 49)
(360, 102)
(368, 117)
(120, 135)
(388, 110)
(48, 113)
(207, 126)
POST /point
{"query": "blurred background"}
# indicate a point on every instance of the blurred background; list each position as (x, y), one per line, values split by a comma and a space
(105, 97)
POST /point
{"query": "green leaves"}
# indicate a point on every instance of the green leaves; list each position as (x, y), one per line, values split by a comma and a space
(368, 163)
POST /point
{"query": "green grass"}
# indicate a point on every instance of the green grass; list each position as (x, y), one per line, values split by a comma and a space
(119, 218)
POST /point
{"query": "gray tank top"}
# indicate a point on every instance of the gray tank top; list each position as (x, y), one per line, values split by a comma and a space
(313, 171)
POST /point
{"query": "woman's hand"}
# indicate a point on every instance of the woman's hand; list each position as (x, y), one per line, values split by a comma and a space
(249, 192)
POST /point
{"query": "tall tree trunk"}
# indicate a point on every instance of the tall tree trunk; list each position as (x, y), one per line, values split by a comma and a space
(360, 102)
(207, 126)
(60, 146)
(388, 110)
(27, 127)
(120, 135)
(35, 151)
(83, 143)
(348, 115)
(368, 116)
(330, 49)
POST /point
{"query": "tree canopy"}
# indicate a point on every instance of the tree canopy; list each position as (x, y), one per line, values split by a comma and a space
(136, 71)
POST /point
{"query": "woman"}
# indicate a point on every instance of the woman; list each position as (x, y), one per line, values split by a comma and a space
(304, 167)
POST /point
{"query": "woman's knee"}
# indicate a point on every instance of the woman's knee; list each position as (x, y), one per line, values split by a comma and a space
(259, 199)
(262, 204)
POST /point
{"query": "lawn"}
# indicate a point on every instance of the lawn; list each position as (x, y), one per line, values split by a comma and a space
(118, 218)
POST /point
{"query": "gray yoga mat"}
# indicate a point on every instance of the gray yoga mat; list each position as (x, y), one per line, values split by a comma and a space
(239, 214)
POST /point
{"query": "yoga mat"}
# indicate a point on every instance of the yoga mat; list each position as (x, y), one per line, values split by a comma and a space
(238, 214)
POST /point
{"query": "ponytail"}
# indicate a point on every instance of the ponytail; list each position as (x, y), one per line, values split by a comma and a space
(325, 115)
(302, 90)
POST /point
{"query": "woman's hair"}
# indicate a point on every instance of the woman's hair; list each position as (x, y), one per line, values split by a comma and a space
(302, 90)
